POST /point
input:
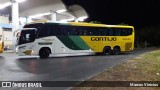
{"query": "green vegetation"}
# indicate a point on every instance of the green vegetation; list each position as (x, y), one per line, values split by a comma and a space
(143, 68)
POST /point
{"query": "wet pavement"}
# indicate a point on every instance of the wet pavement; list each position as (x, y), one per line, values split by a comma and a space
(77, 68)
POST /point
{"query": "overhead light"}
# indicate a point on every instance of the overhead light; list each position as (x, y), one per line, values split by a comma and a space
(39, 15)
(65, 20)
(82, 18)
(71, 19)
(23, 20)
(61, 11)
(2, 6)
(19, 1)
(44, 14)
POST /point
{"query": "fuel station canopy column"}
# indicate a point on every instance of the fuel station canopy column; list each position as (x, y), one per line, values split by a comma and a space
(53, 15)
(15, 15)
(15, 20)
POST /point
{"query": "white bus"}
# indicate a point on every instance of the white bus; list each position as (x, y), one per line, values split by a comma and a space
(50, 38)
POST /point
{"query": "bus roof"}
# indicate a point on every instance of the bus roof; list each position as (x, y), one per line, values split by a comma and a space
(83, 24)
(98, 25)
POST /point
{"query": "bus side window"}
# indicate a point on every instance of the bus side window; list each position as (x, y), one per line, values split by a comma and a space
(117, 32)
(95, 31)
(124, 32)
(68, 30)
(101, 32)
(45, 31)
(129, 32)
(87, 31)
(110, 32)
(63, 30)
(77, 30)
(90, 31)
(80, 30)
(106, 32)
(56, 30)
(74, 30)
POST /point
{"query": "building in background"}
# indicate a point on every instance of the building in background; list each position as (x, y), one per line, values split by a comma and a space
(20, 14)
(7, 31)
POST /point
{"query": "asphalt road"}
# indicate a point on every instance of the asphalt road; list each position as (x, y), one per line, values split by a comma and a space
(79, 68)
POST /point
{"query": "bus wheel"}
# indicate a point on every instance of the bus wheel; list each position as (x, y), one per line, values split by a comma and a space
(44, 53)
(107, 51)
(116, 50)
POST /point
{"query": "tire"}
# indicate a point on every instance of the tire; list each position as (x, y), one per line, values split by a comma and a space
(44, 53)
(107, 51)
(116, 50)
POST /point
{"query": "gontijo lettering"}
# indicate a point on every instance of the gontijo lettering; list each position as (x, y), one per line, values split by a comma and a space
(103, 39)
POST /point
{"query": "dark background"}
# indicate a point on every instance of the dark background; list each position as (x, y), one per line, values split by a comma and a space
(139, 13)
(142, 14)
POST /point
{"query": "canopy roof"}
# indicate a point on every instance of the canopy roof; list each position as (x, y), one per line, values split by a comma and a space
(37, 7)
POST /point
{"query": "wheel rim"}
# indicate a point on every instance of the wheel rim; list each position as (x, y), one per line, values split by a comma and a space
(44, 53)
(116, 50)
(107, 51)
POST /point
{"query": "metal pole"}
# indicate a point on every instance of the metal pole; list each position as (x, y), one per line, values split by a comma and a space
(15, 20)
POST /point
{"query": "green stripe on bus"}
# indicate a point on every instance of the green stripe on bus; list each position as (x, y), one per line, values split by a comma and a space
(73, 42)
(79, 42)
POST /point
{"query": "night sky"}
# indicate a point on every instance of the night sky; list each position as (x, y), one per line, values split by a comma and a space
(139, 13)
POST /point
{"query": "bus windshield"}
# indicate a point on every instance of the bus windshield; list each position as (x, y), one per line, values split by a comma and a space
(27, 36)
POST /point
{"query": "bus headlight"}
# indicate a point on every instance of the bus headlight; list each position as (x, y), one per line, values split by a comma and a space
(16, 49)
(28, 52)
(32, 52)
